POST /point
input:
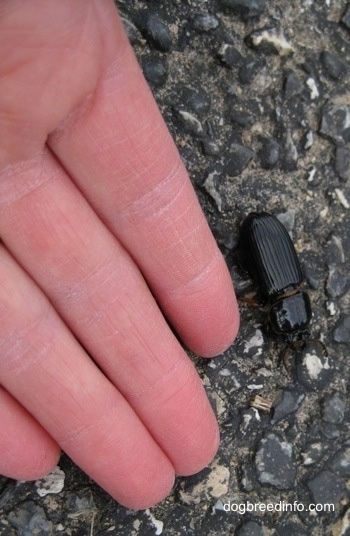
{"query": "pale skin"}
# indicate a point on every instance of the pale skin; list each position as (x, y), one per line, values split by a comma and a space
(102, 239)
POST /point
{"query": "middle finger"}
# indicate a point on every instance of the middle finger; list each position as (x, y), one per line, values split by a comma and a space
(96, 287)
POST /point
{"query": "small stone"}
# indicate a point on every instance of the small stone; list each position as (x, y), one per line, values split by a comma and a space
(52, 483)
(242, 118)
(238, 159)
(248, 70)
(270, 153)
(342, 162)
(334, 409)
(326, 487)
(197, 100)
(210, 147)
(314, 92)
(287, 402)
(230, 56)
(292, 85)
(290, 153)
(313, 269)
(155, 71)
(314, 369)
(275, 462)
(211, 187)
(313, 453)
(205, 22)
(346, 17)
(131, 31)
(334, 67)
(341, 333)
(337, 284)
(30, 520)
(245, 8)
(269, 41)
(340, 463)
(335, 123)
(157, 33)
(250, 528)
(190, 123)
(334, 251)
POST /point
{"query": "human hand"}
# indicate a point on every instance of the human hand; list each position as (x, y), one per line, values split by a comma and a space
(101, 231)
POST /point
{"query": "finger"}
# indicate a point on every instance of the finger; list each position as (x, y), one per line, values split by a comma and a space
(42, 365)
(27, 451)
(118, 150)
(97, 289)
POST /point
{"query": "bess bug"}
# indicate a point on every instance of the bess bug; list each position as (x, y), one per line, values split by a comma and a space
(267, 253)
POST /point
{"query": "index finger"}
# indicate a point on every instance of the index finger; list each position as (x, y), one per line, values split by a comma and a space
(118, 150)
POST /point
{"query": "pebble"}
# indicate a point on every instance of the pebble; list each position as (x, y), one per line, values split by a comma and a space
(30, 520)
(313, 453)
(157, 33)
(250, 528)
(346, 17)
(245, 8)
(341, 333)
(155, 71)
(197, 100)
(210, 185)
(337, 283)
(52, 483)
(334, 251)
(131, 30)
(230, 56)
(287, 402)
(335, 123)
(314, 369)
(238, 158)
(191, 124)
(210, 147)
(275, 462)
(313, 269)
(326, 487)
(333, 66)
(269, 41)
(270, 153)
(242, 118)
(342, 162)
(333, 409)
(248, 70)
(340, 463)
(205, 22)
(292, 85)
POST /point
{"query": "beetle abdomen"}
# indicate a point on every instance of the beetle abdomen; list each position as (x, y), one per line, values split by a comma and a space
(268, 253)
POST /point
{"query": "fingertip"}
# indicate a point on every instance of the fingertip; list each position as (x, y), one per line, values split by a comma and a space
(27, 451)
(210, 318)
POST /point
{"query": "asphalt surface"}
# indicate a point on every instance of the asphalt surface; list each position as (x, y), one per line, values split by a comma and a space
(256, 94)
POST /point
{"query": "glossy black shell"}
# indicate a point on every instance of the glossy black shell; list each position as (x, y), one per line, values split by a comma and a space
(268, 254)
(290, 316)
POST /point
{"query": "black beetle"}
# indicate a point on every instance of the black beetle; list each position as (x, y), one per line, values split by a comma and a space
(267, 253)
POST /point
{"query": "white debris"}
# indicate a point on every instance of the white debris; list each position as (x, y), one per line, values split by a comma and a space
(340, 195)
(314, 93)
(158, 525)
(52, 483)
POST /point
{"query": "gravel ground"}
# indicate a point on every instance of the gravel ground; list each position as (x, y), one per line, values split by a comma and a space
(256, 96)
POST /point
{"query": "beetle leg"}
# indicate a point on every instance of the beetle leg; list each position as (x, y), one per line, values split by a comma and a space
(285, 358)
(320, 343)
